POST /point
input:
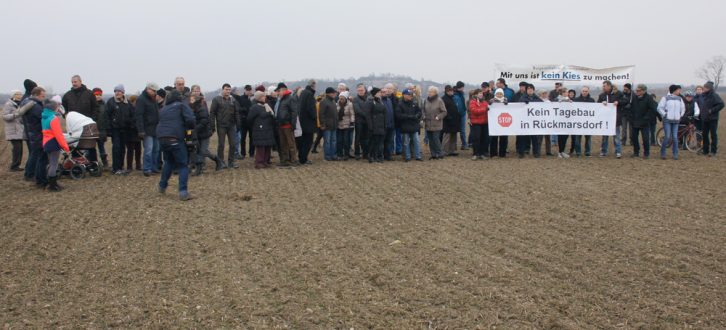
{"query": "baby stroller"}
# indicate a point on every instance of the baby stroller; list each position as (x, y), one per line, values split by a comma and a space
(82, 135)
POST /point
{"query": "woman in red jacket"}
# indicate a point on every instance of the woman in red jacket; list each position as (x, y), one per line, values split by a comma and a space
(478, 115)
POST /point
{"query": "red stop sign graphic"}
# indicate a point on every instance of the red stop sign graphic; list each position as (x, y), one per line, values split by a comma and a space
(504, 119)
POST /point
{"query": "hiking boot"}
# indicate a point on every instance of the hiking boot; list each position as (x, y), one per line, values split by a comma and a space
(53, 185)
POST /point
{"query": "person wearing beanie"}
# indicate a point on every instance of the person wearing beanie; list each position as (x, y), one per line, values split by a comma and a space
(644, 109)
(175, 118)
(102, 125)
(711, 104)
(610, 95)
(308, 118)
(460, 101)
(14, 131)
(80, 99)
(147, 118)
(376, 125)
(35, 166)
(452, 122)
(53, 142)
(119, 122)
(409, 114)
(29, 85)
(346, 122)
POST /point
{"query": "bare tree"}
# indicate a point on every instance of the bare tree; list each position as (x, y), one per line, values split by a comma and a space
(713, 70)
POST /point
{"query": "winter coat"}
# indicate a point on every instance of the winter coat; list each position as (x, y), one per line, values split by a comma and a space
(671, 108)
(692, 111)
(376, 116)
(262, 124)
(452, 121)
(359, 107)
(147, 114)
(479, 111)
(224, 112)
(308, 110)
(13, 122)
(526, 98)
(203, 127)
(32, 121)
(434, 113)
(244, 104)
(174, 120)
(53, 138)
(390, 103)
(102, 124)
(586, 99)
(710, 104)
(348, 115)
(328, 114)
(460, 101)
(83, 101)
(613, 97)
(286, 111)
(644, 110)
(119, 114)
(408, 115)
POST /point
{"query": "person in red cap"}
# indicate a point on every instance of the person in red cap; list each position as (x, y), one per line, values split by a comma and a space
(102, 124)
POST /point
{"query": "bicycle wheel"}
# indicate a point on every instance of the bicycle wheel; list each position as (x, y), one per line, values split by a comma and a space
(660, 136)
(694, 141)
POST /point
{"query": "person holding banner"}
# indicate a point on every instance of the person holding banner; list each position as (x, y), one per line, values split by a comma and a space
(498, 144)
(644, 110)
(479, 117)
(610, 95)
(530, 140)
(577, 139)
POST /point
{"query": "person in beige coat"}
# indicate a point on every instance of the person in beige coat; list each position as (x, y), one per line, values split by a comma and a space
(346, 122)
(434, 113)
(14, 132)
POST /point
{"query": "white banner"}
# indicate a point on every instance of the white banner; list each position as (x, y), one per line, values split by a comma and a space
(545, 76)
(552, 118)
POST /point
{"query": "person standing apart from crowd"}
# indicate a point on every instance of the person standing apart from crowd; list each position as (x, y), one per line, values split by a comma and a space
(644, 109)
(376, 125)
(261, 119)
(434, 114)
(408, 115)
(711, 105)
(80, 99)
(345, 118)
(147, 118)
(119, 120)
(175, 118)
(14, 131)
(671, 108)
(479, 117)
(224, 116)
(53, 142)
(451, 123)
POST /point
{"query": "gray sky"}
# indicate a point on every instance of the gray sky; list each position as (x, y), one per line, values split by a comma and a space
(212, 42)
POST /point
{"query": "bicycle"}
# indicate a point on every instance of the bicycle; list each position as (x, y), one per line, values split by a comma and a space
(691, 138)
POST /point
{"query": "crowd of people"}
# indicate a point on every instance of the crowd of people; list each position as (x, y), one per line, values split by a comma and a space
(172, 126)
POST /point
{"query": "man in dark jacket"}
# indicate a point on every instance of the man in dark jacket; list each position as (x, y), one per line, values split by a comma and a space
(286, 121)
(147, 117)
(522, 142)
(452, 122)
(102, 125)
(460, 101)
(80, 99)
(626, 127)
(35, 167)
(202, 131)
(535, 141)
(329, 123)
(118, 112)
(361, 122)
(308, 116)
(408, 114)
(174, 119)
(577, 139)
(644, 109)
(607, 96)
(389, 101)
(376, 112)
(710, 105)
(242, 96)
(224, 116)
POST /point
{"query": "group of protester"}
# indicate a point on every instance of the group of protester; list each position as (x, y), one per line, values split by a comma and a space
(368, 123)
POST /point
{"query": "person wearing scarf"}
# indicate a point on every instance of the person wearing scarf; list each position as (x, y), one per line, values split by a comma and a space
(261, 120)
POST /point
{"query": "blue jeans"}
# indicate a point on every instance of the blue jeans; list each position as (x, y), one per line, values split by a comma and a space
(175, 157)
(151, 154)
(237, 140)
(671, 136)
(343, 142)
(329, 146)
(408, 138)
(617, 142)
(464, 141)
(399, 141)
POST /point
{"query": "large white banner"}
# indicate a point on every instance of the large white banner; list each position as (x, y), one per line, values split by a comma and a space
(552, 118)
(544, 76)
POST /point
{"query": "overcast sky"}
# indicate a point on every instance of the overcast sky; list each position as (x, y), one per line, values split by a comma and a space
(212, 42)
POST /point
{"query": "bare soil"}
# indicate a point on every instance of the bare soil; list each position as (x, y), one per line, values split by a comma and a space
(532, 243)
